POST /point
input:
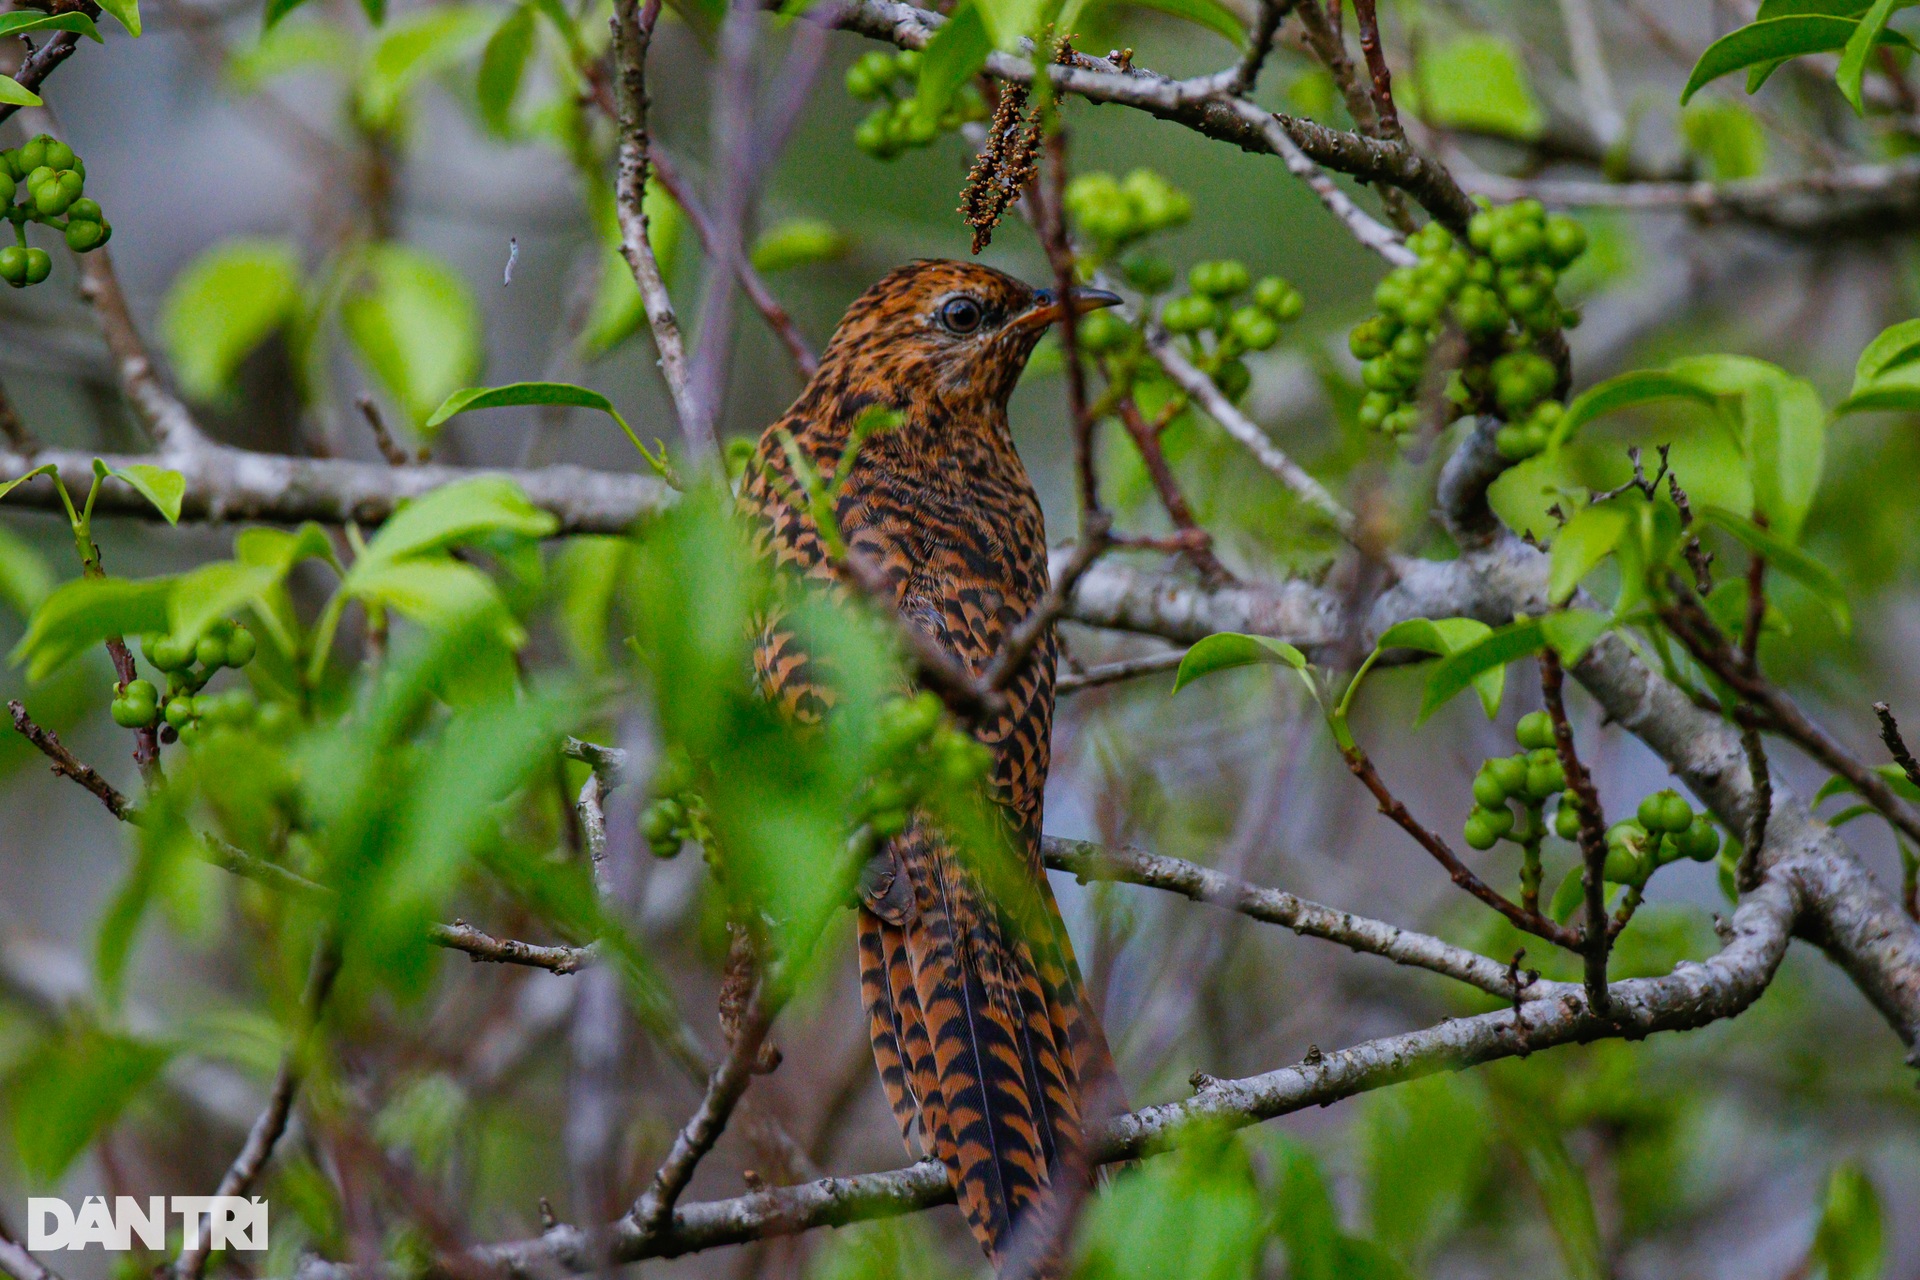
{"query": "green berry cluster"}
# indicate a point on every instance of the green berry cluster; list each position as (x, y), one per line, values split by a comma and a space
(923, 754)
(1497, 291)
(1532, 777)
(188, 664)
(1111, 213)
(897, 123)
(678, 812)
(1222, 330)
(1665, 829)
(50, 183)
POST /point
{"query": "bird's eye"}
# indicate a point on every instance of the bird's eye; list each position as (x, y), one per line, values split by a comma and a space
(961, 315)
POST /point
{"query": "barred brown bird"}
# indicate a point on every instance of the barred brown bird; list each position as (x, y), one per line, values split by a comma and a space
(980, 1024)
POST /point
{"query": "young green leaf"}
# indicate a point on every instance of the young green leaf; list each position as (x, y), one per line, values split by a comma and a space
(1774, 40)
(456, 513)
(1571, 632)
(1623, 392)
(127, 11)
(1896, 345)
(71, 1091)
(1439, 637)
(1211, 14)
(226, 303)
(25, 21)
(1894, 776)
(25, 577)
(1728, 137)
(1850, 1242)
(163, 488)
(957, 51)
(797, 242)
(1853, 60)
(15, 94)
(1563, 1192)
(44, 469)
(1459, 669)
(85, 612)
(1568, 897)
(539, 393)
(416, 46)
(1788, 559)
(415, 325)
(1227, 649)
(1581, 545)
(1477, 81)
(215, 591)
(503, 65)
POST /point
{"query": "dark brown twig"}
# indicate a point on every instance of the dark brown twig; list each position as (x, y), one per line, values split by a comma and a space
(1147, 440)
(67, 765)
(272, 1122)
(1462, 875)
(38, 67)
(1595, 941)
(1896, 744)
(1369, 20)
(383, 438)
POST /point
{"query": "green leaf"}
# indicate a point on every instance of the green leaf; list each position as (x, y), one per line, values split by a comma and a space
(1564, 1194)
(1894, 776)
(1728, 137)
(1477, 81)
(1194, 1214)
(45, 469)
(127, 11)
(1306, 1221)
(1623, 392)
(288, 49)
(503, 65)
(417, 46)
(1441, 637)
(15, 94)
(225, 304)
(1581, 545)
(797, 242)
(1850, 1243)
(453, 514)
(1772, 40)
(23, 21)
(276, 10)
(1788, 559)
(1423, 1156)
(1785, 436)
(215, 591)
(1227, 649)
(438, 592)
(415, 326)
(955, 54)
(25, 577)
(163, 488)
(1571, 632)
(1895, 346)
(518, 393)
(73, 1090)
(1459, 669)
(1832, 8)
(1211, 14)
(1853, 61)
(85, 612)
(1568, 897)
(1008, 22)
(618, 309)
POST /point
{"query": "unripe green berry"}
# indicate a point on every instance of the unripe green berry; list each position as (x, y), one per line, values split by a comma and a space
(13, 265)
(141, 691)
(1190, 314)
(32, 154)
(211, 652)
(1498, 818)
(39, 265)
(1510, 770)
(7, 188)
(1487, 791)
(167, 653)
(1565, 239)
(129, 714)
(241, 646)
(1477, 833)
(1535, 731)
(1566, 821)
(1102, 331)
(1545, 780)
(180, 710)
(1221, 278)
(84, 237)
(58, 155)
(1701, 840)
(1255, 329)
(1512, 443)
(1627, 865)
(1146, 273)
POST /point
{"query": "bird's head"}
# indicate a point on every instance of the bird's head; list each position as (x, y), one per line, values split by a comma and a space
(959, 329)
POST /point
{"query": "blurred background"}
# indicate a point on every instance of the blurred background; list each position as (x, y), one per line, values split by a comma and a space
(1712, 1154)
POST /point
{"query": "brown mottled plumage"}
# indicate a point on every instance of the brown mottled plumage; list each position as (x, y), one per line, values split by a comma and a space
(980, 1023)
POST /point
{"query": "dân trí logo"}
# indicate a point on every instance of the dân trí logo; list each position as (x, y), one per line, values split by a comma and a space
(231, 1222)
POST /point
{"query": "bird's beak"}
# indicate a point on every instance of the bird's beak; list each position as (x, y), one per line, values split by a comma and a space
(1046, 306)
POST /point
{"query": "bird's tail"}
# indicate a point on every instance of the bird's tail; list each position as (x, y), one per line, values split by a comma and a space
(982, 1034)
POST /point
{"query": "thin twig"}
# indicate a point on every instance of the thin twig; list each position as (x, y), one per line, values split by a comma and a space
(480, 946)
(383, 438)
(1462, 875)
(18, 1263)
(1596, 940)
(1114, 672)
(272, 1122)
(1210, 398)
(1147, 441)
(1369, 20)
(67, 765)
(632, 33)
(38, 67)
(752, 283)
(1896, 744)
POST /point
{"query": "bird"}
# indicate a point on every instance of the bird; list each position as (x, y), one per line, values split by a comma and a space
(987, 1045)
